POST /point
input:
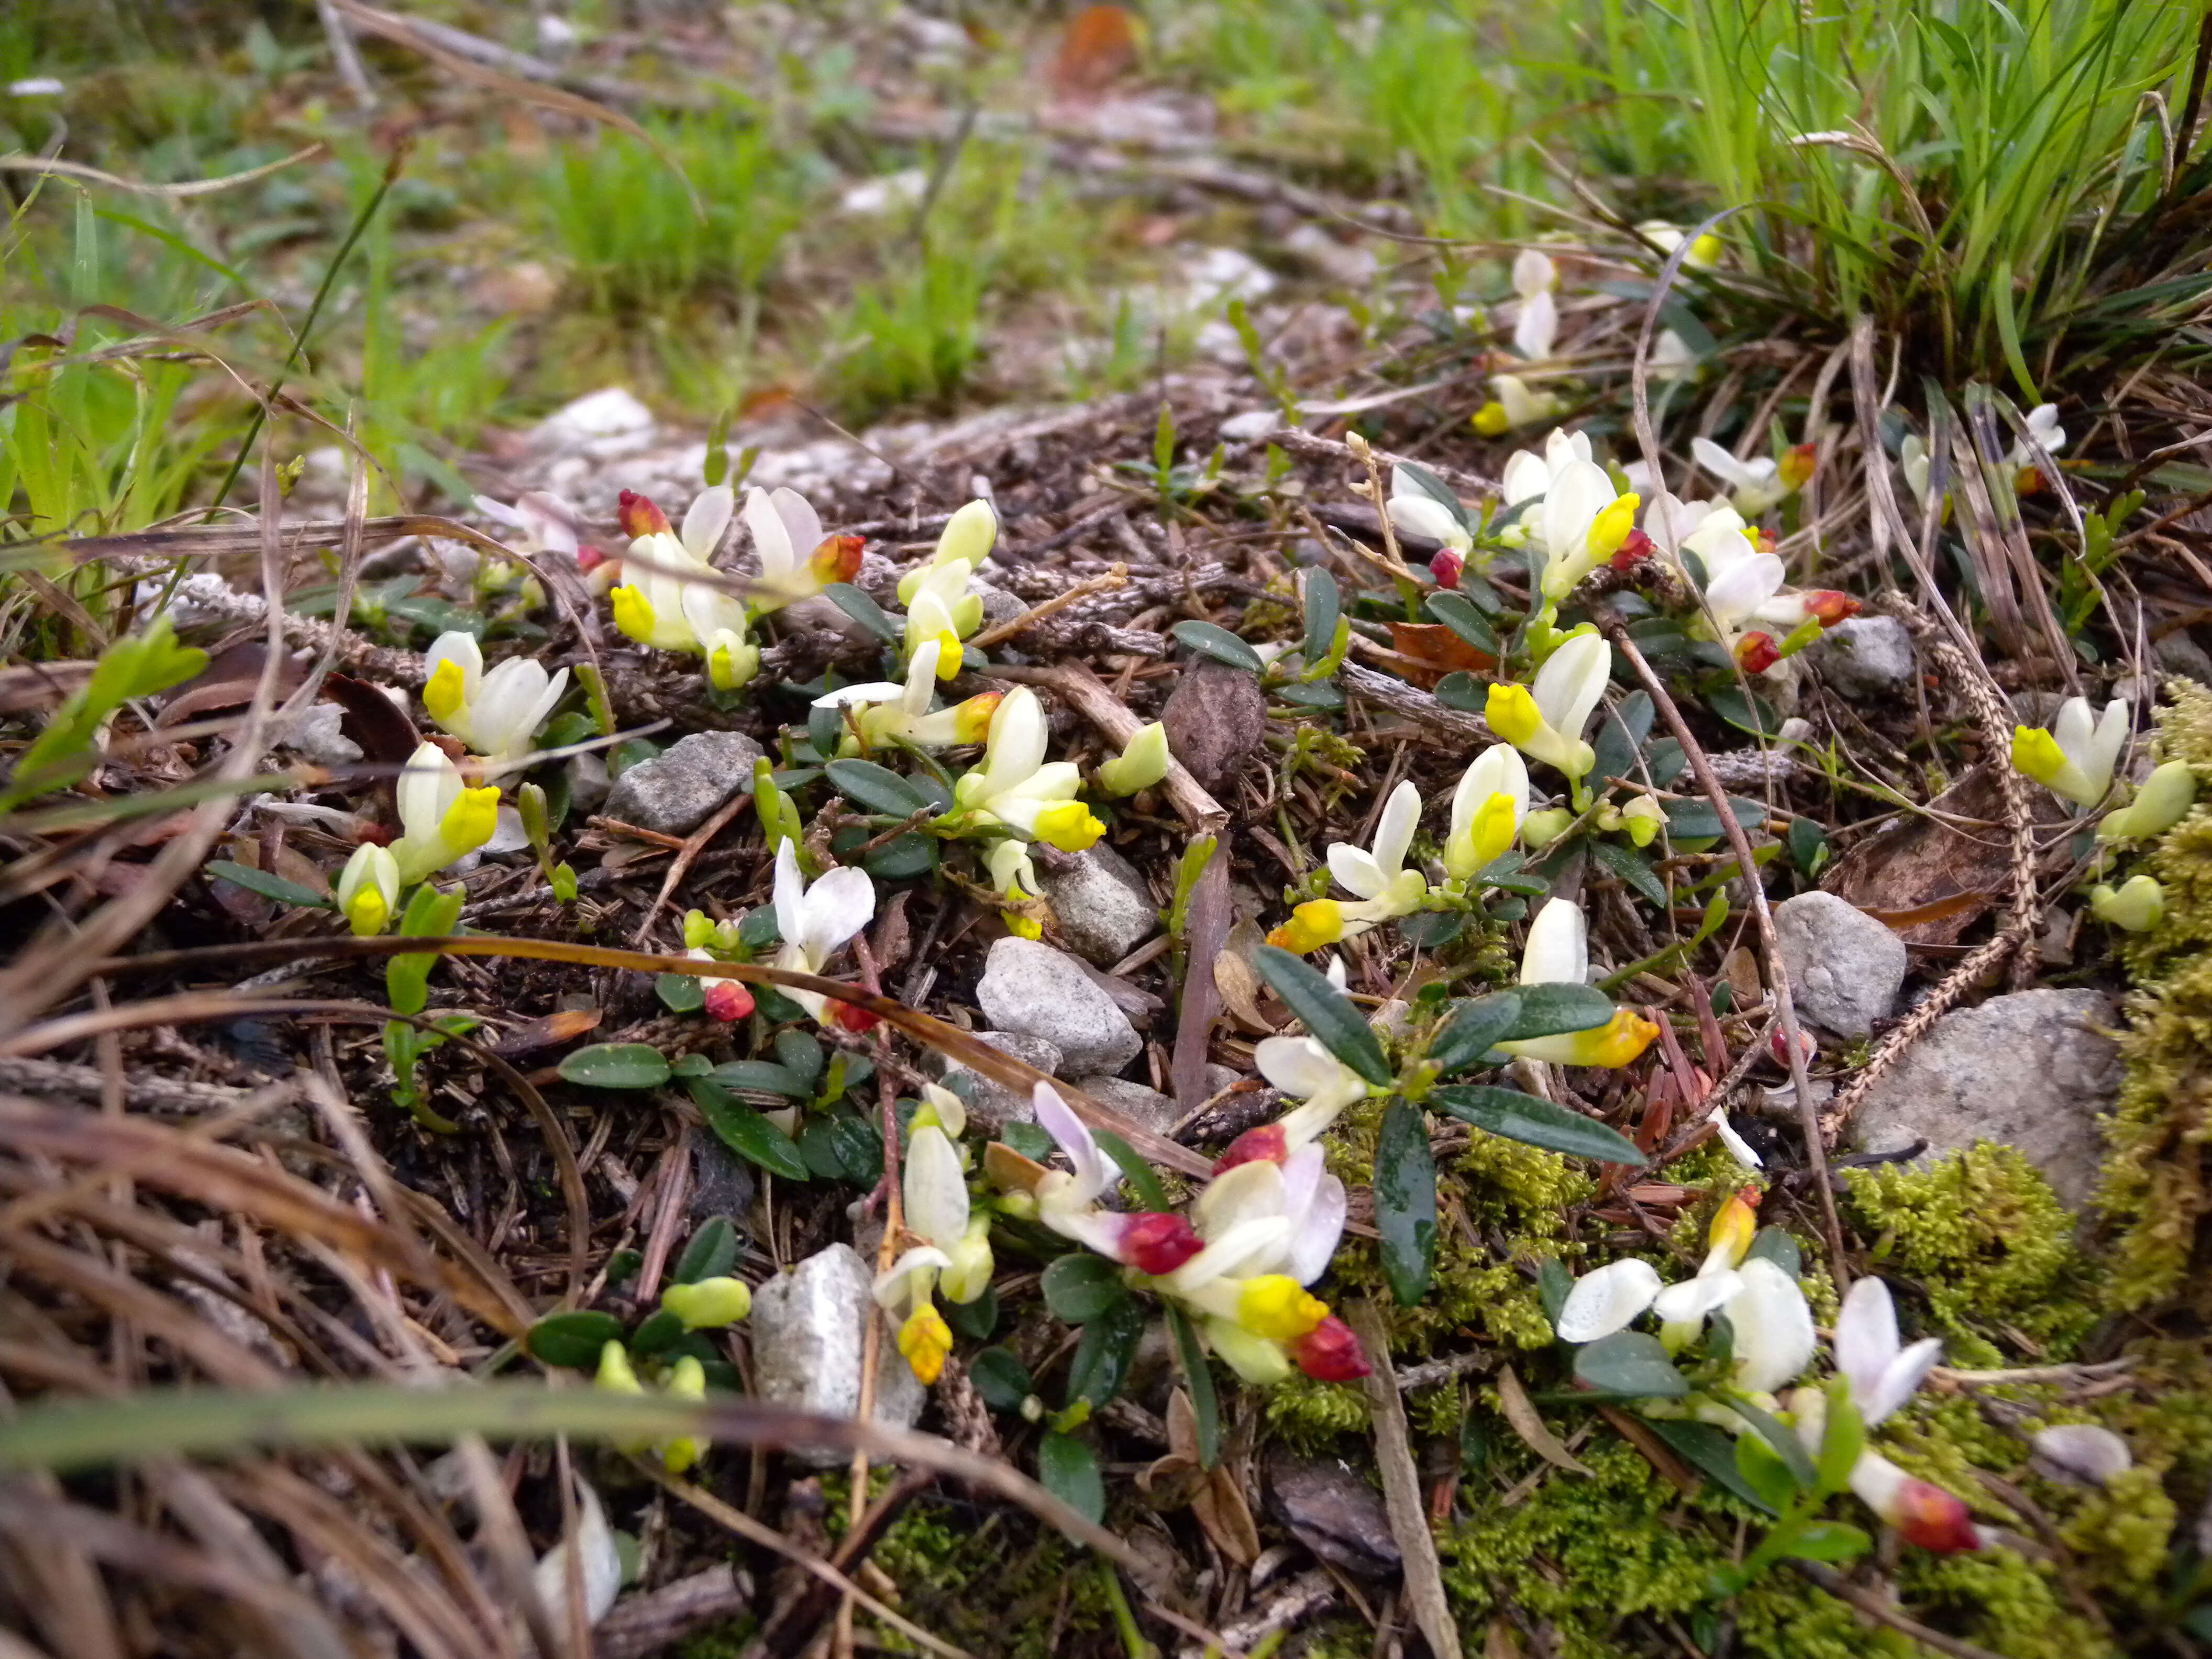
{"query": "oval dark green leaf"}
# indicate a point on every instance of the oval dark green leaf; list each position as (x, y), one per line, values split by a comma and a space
(1324, 604)
(1533, 1122)
(876, 787)
(574, 1338)
(680, 993)
(1473, 1029)
(1219, 644)
(1002, 1380)
(1457, 613)
(1104, 1352)
(712, 1252)
(1406, 1202)
(1324, 1010)
(747, 1134)
(1632, 868)
(1553, 1009)
(615, 1065)
(1066, 1469)
(269, 886)
(1629, 1362)
(862, 610)
(1079, 1286)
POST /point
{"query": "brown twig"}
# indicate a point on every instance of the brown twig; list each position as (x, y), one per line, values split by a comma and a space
(1117, 577)
(1763, 916)
(1882, 1613)
(1401, 1485)
(1099, 705)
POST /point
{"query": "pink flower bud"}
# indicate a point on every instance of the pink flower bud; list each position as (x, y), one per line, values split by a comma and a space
(1446, 566)
(639, 517)
(1154, 1242)
(1266, 1145)
(1330, 1352)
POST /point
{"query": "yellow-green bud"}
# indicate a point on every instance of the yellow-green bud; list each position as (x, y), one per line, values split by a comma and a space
(709, 1303)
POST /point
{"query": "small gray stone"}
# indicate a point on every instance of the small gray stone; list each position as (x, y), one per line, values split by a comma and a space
(1103, 907)
(1148, 1107)
(1866, 656)
(993, 1105)
(673, 793)
(808, 1327)
(1333, 1512)
(2028, 1069)
(1844, 967)
(1035, 991)
(722, 1183)
(998, 606)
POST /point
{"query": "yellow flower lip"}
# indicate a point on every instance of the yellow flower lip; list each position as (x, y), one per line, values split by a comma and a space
(1069, 826)
(446, 691)
(1276, 1306)
(1512, 712)
(1312, 925)
(924, 1341)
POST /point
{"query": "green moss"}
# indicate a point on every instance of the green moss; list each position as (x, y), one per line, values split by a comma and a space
(1998, 1600)
(994, 1584)
(1983, 1237)
(1309, 1416)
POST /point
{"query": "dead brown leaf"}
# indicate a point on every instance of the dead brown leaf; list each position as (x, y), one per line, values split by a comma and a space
(1521, 1411)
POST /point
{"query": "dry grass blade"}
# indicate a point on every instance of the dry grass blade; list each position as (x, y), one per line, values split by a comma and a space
(191, 187)
(1401, 1485)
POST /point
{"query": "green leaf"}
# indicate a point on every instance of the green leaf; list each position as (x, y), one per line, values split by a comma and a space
(1553, 1009)
(1079, 1286)
(1324, 604)
(1629, 1362)
(1027, 1138)
(1710, 1451)
(746, 1132)
(1104, 1352)
(615, 1065)
(1473, 1029)
(429, 915)
(1002, 1380)
(1620, 737)
(842, 1147)
(1842, 1439)
(1784, 1441)
(269, 886)
(661, 1331)
(801, 1053)
(1406, 1202)
(1632, 868)
(1428, 930)
(1198, 1379)
(712, 1252)
(1700, 820)
(1534, 1121)
(1766, 1475)
(1776, 1245)
(903, 857)
(1066, 1469)
(876, 787)
(1219, 644)
(680, 993)
(1320, 695)
(1462, 690)
(1144, 1179)
(1457, 613)
(1808, 846)
(136, 666)
(1828, 1541)
(862, 610)
(974, 1320)
(574, 1338)
(1752, 715)
(1554, 1284)
(761, 1077)
(1324, 1010)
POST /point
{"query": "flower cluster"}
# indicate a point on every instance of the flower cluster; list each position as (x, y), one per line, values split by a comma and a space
(2075, 759)
(495, 713)
(951, 1247)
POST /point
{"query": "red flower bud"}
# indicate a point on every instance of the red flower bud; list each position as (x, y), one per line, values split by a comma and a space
(838, 558)
(639, 517)
(728, 1000)
(589, 557)
(1154, 1242)
(1767, 543)
(1329, 1353)
(1446, 566)
(1778, 1045)
(1934, 1519)
(2031, 481)
(1757, 652)
(1632, 552)
(1261, 1145)
(1830, 606)
(847, 1017)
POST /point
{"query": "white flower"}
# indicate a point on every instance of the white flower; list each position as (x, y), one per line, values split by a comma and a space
(1583, 522)
(942, 613)
(368, 888)
(1300, 1190)
(969, 534)
(1774, 1335)
(1739, 1148)
(1545, 721)
(548, 524)
(1303, 1070)
(1669, 521)
(1607, 1300)
(1882, 1372)
(497, 713)
(817, 920)
(441, 819)
(2075, 759)
(1671, 357)
(2043, 423)
(661, 604)
(1016, 787)
(900, 714)
(1556, 952)
(1379, 875)
(1417, 513)
(1513, 405)
(1528, 475)
(1488, 809)
(785, 530)
(1754, 485)
(1534, 276)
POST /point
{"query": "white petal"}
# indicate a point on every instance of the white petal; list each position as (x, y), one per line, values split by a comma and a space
(1418, 515)
(801, 523)
(1534, 273)
(790, 897)
(548, 520)
(1401, 815)
(1356, 870)
(1526, 476)
(1015, 746)
(1562, 448)
(1693, 1298)
(935, 1188)
(873, 691)
(1570, 683)
(598, 1562)
(1237, 1195)
(1737, 591)
(1497, 770)
(921, 677)
(1298, 1065)
(1607, 1300)
(1739, 1148)
(428, 784)
(1313, 1244)
(2083, 1449)
(1579, 492)
(1774, 1336)
(1557, 950)
(1537, 326)
(771, 541)
(1900, 1378)
(837, 907)
(889, 1288)
(1866, 1337)
(1250, 1247)
(2105, 743)
(1059, 1121)
(708, 517)
(1721, 464)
